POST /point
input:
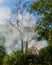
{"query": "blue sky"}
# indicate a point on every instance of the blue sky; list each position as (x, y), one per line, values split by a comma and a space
(6, 7)
(11, 3)
(8, 3)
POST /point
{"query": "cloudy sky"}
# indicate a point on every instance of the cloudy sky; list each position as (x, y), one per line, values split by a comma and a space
(5, 9)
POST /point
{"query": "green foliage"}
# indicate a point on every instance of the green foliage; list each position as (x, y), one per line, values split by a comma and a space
(45, 56)
(2, 53)
(44, 25)
(9, 60)
(19, 58)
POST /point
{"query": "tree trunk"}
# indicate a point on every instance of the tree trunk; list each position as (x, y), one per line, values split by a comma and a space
(22, 45)
(26, 47)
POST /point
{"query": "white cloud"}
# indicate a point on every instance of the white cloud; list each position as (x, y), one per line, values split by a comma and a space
(4, 14)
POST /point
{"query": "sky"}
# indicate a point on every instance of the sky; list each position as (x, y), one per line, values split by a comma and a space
(5, 11)
(6, 7)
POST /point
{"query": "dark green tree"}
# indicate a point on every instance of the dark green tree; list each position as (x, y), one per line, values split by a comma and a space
(44, 24)
(45, 56)
(2, 48)
(2, 53)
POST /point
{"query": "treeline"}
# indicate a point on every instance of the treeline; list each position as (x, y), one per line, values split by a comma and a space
(18, 58)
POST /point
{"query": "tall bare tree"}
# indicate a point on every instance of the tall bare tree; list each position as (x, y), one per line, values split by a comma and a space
(24, 26)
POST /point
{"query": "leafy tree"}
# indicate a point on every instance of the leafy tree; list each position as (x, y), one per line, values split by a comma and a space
(19, 58)
(9, 60)
(2, 53)
(45, 56)
(2, 48)
(44, 24)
